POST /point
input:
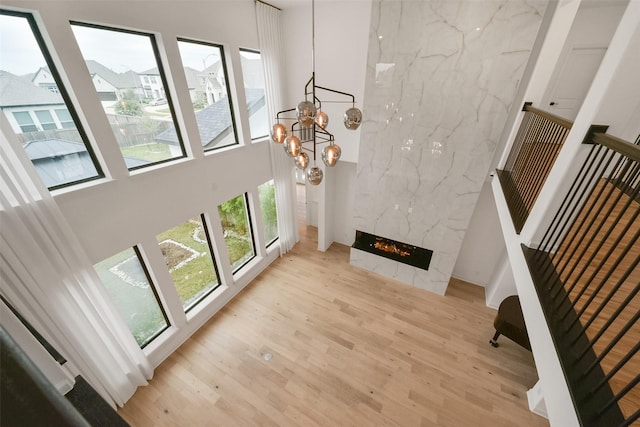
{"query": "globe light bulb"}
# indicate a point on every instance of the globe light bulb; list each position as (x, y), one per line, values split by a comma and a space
(322, 119)
(278, 133)
(306, 113)
(314, 175)
(331, 154)
(302, 161)
(352, 118)
(292, 145)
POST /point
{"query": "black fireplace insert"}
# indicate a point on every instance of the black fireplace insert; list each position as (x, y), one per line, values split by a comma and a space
(392, 249)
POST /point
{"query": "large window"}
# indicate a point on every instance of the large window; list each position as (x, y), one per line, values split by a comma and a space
(142, 119)
(253, 78)
(234, 215)
(128, 283)
(206, 73)
(60, 152)
(187, 252)
(267, 196)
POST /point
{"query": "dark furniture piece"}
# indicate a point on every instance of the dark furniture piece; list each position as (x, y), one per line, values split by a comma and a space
(510, 323)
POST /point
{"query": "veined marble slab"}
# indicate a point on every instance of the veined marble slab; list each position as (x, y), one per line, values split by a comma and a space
(441, 76)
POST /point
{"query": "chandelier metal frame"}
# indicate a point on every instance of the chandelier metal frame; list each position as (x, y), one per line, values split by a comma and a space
(310, 123)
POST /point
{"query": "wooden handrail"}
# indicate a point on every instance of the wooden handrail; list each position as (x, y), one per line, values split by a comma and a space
(619, 145)
(551, 117)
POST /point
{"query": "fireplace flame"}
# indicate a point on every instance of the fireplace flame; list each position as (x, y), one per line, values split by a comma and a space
(391, 248)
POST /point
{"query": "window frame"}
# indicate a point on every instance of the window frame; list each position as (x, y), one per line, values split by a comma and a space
(62, 90)
(228, 85)
(205, 228)
(46, 125)
(154, 289)
(163, 78)
(197, 301)
(252, 234)
(261, 137)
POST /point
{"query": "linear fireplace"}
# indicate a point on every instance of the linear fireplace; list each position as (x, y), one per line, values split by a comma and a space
(392, 249)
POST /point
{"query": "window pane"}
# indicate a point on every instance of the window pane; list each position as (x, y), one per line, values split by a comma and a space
(237, 231)
(267, 196)
(121, 64)
(64, 118)
(29, 90)
(188, 256)
(206, 73)
(253, 78)
(25, 121)
(46, 120)
(133, 295)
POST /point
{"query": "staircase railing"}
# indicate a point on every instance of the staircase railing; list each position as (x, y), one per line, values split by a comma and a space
(536, 145)
(587, 275)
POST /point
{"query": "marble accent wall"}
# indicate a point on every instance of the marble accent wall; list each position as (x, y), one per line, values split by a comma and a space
(441, 76)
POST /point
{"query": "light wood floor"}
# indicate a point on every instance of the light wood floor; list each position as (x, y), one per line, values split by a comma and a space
(316, 341)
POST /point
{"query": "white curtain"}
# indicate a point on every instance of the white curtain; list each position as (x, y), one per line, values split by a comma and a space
(47, 277)
(272, 53)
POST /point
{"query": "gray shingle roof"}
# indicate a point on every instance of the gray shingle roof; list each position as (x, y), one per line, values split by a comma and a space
(124, 80)
(46, 155)
(46, 148)
(214, 119)
(17, 91)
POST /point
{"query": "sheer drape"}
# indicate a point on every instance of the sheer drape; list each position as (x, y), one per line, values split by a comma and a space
(48, 278)
(271, 51)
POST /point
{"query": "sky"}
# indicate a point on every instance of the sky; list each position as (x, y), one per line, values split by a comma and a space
(119, 51)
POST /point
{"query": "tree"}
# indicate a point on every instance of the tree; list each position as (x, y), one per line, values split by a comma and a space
(268, 205)
(233, 215)
(128, 105)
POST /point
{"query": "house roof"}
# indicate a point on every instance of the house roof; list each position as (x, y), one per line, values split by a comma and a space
(45, 155)
(128, 79)
(46, 148)
(214, 119)
(18, 91)
(151, 72)
(51, 148)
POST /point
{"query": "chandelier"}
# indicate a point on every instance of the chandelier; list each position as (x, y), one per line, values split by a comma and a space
(309, 124)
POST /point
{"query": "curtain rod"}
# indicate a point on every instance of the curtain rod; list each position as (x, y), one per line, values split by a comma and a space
(268, 4)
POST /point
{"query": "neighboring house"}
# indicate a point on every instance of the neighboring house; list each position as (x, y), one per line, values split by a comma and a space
(152, 83)
(31, 108)
(212, 79)
(47, 154)
(193, 83)
(110, 86)
(43, 78)
(214, 121)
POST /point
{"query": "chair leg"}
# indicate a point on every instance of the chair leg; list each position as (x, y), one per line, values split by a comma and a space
(494, 340)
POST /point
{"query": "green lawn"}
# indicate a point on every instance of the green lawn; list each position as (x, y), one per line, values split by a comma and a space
(136, 303)
(153, 152)
(190, 264)
(197, 275)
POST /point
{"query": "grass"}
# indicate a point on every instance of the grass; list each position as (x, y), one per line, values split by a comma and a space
(196, 276)
(153, 152)
(137, 305)
(193, 278)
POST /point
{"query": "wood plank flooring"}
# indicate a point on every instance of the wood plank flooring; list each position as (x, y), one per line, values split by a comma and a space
(314, 341)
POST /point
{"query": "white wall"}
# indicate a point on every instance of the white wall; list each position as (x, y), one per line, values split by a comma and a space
(483, 242)
(343, 203)
(126, 209)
